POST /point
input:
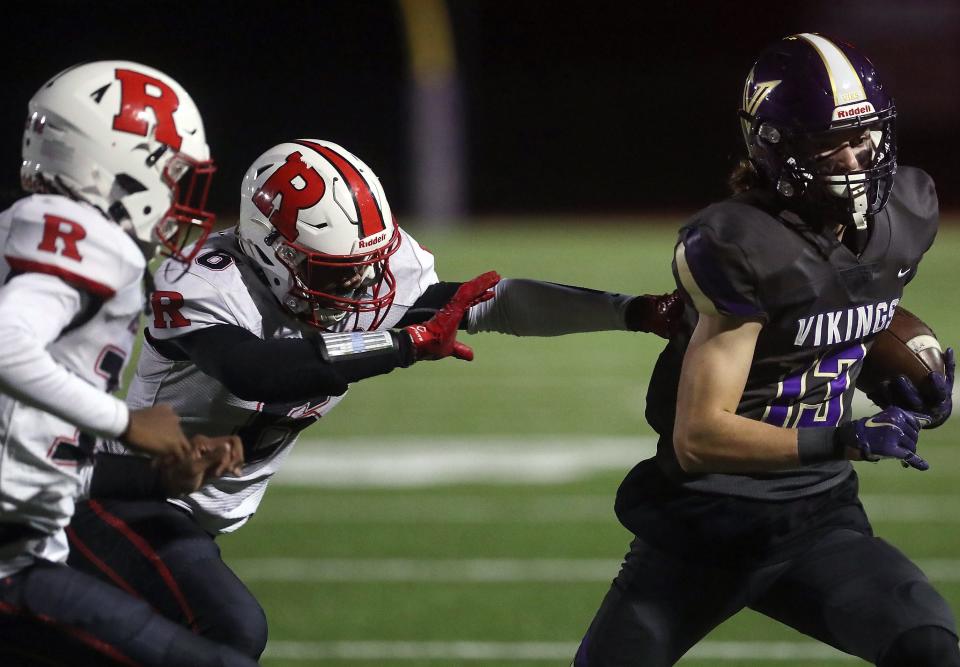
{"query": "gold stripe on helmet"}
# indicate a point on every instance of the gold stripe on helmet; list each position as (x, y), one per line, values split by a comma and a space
(844, 80)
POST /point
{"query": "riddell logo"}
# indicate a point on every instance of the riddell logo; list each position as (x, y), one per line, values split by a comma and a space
(853, 110)
(372, 240)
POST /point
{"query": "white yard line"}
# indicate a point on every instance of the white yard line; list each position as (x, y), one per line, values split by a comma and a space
(419, 462)
(408, 462)
(553, 508)
(396, 651)
(911, 508)
(471, 570)
(488, 570)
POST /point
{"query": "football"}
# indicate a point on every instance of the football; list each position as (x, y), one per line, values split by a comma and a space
(907, 347)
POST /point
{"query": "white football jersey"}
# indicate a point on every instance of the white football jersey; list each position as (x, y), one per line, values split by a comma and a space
(222, 287)
(63, 353)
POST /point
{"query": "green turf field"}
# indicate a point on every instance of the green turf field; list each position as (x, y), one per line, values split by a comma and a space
(509, 574)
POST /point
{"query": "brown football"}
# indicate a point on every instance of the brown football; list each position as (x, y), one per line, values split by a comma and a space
(907, 347)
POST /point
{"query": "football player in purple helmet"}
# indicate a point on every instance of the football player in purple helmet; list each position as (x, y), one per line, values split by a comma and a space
(751, 500)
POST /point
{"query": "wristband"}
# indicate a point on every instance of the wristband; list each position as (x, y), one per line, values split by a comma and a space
(342, 346)
(816, 445)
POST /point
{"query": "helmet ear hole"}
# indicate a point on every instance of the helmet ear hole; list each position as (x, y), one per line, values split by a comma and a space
(769, 133)
(264, 258)
(129, 184)
(785, 188)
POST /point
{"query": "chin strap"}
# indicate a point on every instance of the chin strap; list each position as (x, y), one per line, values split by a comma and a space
(859, 220)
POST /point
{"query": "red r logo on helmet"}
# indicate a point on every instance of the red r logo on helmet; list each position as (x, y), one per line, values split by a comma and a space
(371, 218)
(298, 185)
(139, 91)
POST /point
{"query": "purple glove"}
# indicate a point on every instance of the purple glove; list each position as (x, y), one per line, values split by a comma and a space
(932, 402)
(891, 434)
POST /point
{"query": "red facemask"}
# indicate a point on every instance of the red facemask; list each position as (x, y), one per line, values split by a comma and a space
(352, 284)
(187, 222)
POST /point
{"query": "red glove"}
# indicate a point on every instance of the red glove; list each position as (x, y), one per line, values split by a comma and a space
(658, 314)
(437, 337)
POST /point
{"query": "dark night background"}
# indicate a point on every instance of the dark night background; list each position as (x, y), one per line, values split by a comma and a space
(585, 106)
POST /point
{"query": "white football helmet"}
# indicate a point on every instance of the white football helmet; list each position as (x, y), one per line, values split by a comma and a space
(317, 222)
(127, 139)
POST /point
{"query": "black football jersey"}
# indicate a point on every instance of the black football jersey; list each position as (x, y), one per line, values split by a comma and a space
(821, 306)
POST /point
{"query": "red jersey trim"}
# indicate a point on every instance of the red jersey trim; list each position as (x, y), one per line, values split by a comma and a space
(69, 277)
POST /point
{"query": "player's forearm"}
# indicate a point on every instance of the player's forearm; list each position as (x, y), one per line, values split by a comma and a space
(725, 442)
(533, 308)
(29, 374)
(709, 435)
(292, 369)
(34, 310)
(123, 476)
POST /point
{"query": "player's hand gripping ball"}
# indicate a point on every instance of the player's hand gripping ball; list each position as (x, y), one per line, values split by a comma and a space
(907, 369)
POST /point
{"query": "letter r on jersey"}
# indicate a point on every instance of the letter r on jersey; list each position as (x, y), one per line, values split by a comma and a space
(138, 92)
(67, 232)
(166, 307)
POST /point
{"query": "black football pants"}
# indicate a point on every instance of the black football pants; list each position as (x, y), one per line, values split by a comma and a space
(826, 576)
(53, 615)
(157, 552)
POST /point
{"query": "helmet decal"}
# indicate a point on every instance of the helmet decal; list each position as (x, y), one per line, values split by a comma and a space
(846, 83)
(753, 96)
(371, 217)
(136, 94)
(752, 101)
(145, 159)
(298, 185)
(324, 247)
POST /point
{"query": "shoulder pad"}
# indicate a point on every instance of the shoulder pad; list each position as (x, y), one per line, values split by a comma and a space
(711, 265)
(55, 235)
(413, 267)
(914, 214)
(208, 292)
(914, 188)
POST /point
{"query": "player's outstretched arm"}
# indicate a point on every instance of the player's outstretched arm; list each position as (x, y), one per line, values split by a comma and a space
(437, 337)
(524, 307)
(324, 364)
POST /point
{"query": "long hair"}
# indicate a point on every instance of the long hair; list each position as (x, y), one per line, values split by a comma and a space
(743, 177)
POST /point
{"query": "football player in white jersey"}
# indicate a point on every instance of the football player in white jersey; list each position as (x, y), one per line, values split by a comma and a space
(113, 152)
(315, 288)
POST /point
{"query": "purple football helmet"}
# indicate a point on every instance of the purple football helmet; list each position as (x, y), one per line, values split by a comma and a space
(806, 98)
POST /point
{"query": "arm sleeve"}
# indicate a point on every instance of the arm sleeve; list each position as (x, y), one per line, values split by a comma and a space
(283, 369)
(122, 476)
(714, 274)
(34, 310)
(532, 308)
